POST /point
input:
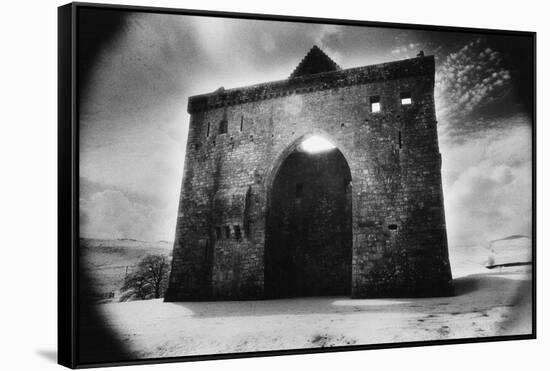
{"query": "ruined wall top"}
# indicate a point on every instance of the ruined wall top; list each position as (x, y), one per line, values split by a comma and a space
(413, 67)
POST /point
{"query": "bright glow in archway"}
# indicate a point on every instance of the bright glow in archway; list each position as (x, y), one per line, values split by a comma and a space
(317, 144)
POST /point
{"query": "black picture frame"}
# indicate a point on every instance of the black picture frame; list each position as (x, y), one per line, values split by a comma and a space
(69, 285)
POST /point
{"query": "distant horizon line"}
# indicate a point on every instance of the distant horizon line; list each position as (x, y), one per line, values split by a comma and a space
(122, 239)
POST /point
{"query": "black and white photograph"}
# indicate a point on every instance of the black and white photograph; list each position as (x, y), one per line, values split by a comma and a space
(253, 185)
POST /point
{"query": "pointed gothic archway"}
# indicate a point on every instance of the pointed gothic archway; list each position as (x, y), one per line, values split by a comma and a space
(308, 250)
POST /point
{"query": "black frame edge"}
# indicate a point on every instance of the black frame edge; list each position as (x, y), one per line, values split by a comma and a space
(534, 191)
(66, 314)
(306, 351)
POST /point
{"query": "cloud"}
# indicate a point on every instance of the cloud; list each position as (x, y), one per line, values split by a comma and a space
(110, 214)
(407, 50)
(485, 144)
(329, 39)
(407, 44)
(469, 80)
(487, 185)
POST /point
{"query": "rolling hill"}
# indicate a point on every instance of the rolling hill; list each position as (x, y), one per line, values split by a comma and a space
(106, 262)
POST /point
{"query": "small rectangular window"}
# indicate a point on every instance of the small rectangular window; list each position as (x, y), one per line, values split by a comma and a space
(237, 230)
(227, 231)
(218, 233)
(299, 190)
(375, 104)
(406, 99)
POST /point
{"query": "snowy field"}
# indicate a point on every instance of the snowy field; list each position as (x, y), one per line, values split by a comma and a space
(485, 304)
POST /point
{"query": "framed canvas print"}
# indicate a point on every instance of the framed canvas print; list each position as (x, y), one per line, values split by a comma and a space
(236, 185)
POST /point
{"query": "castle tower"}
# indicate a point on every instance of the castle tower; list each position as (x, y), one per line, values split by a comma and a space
(261, 216)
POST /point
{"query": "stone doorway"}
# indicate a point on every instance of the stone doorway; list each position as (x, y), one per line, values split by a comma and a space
(308, 249)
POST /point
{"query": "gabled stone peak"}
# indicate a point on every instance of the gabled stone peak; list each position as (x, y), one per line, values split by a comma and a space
(315, 61)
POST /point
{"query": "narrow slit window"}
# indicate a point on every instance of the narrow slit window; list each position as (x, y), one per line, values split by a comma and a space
(207, 251)
(406, 99)
(237, 230)
(299, 190)
(223, 126)
(227, 231)
(400, 140)
(242, 122)
(375, 104)
(208, 129)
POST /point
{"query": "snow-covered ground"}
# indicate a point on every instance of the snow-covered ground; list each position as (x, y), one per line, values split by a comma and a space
(488, 302)
(485, 304)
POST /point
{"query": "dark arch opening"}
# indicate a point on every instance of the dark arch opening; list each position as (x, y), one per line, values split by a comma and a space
(308, 250)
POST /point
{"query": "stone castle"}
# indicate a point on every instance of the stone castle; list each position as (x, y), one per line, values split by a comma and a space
(260, 216)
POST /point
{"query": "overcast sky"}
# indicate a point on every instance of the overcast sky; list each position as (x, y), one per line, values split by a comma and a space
(139, 69)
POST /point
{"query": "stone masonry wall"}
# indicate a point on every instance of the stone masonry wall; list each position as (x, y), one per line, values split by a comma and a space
(398, 223)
